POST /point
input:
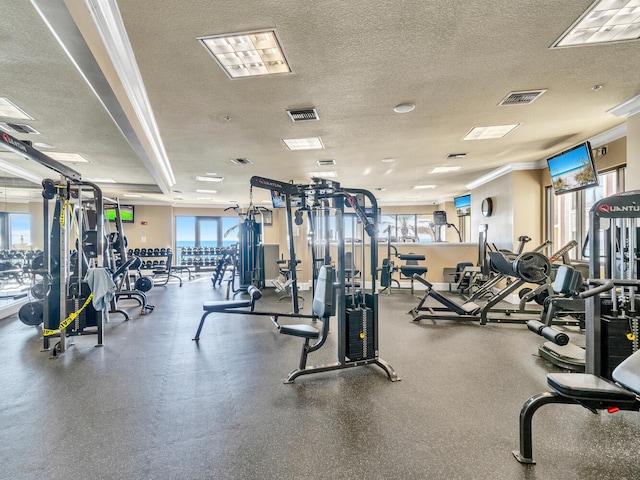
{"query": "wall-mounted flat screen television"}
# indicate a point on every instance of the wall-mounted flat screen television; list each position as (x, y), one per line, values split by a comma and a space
(573, 169)
(463, 205)
(126, 213)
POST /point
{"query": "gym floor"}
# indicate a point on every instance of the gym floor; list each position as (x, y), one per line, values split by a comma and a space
(153, 404)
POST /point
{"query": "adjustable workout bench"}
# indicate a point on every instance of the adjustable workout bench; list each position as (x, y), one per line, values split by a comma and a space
(229, 306)
(590, 391)
(324, 304)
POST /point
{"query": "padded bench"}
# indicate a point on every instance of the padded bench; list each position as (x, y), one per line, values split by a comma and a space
(219, 306)
(590, 391)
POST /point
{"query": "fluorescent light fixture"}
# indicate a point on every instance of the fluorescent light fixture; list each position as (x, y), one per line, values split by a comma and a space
(423, 187)
(212, 174)
(628, 108)
(43, 145)
(200, 178)
(102, 180)
(486, 133)
(605, 21)
(388, 160)
(11, 110)
(20, 172)
(330, 174)
(247, 54)
(312, 143)
(131, 195)
(445, 169)
(67, 157)
(206, 191)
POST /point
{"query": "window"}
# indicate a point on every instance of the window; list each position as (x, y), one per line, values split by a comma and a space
(406, 228)
(568, 214)
(205, 232)
(15, 231)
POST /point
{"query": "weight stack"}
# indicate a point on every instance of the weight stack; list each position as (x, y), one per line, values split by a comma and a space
(615, 344)
(360, 341)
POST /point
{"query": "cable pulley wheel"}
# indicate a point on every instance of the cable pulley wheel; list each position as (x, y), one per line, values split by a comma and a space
(532, 267)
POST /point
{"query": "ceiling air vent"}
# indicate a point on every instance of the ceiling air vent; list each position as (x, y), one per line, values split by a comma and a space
(18, 128)
(323, 163)
(241, 161)
(521, 98)
(452, 156)
(303, 115)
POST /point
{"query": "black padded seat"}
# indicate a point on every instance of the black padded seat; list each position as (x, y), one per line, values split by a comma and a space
(583, 386)
(410, 270)
(411, 256)
(627, 373)
(300, 330)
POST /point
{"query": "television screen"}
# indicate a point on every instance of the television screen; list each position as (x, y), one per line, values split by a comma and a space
(573, 169)
(463, 205)
(278, 200)
(126, 213)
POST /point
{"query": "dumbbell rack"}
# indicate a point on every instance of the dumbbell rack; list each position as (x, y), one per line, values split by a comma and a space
(166, 254)
(201, 258)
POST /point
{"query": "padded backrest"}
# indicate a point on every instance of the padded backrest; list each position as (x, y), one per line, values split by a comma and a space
(627, 373)
(500, 264)
(568, 280)
(324, 298)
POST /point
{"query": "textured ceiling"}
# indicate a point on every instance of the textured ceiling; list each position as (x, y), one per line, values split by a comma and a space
(353, 61)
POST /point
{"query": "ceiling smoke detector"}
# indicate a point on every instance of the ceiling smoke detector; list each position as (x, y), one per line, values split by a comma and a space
(303, 115)
(521, 98)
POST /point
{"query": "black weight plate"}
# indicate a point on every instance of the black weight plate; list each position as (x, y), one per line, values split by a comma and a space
(532, 267)
(31, 313)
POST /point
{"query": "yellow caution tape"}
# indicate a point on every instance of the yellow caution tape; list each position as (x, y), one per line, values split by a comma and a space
(67, 321)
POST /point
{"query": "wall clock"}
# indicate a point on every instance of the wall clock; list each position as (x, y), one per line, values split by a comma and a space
(487, 207)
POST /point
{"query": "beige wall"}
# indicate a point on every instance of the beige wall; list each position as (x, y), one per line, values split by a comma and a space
(633, 153)
(500, 224)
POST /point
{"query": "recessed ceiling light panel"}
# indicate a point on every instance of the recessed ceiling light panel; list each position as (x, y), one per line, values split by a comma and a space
(423, 187)
(102, 180)
(11, 110)
(491, 132)
(206, 191)
(313, 143)
(606, 21)
(67, 157)
(445, 169)
(330, 174)
(247, 54)
(200, 178)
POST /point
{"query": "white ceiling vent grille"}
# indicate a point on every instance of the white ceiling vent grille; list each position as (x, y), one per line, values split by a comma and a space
(521, 98)
(303, 115)
(323, 163)
(452, 156)
(241, 161)
(18, 128)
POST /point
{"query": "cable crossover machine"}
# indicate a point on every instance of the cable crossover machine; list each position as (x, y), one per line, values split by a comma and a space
(357, 312)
